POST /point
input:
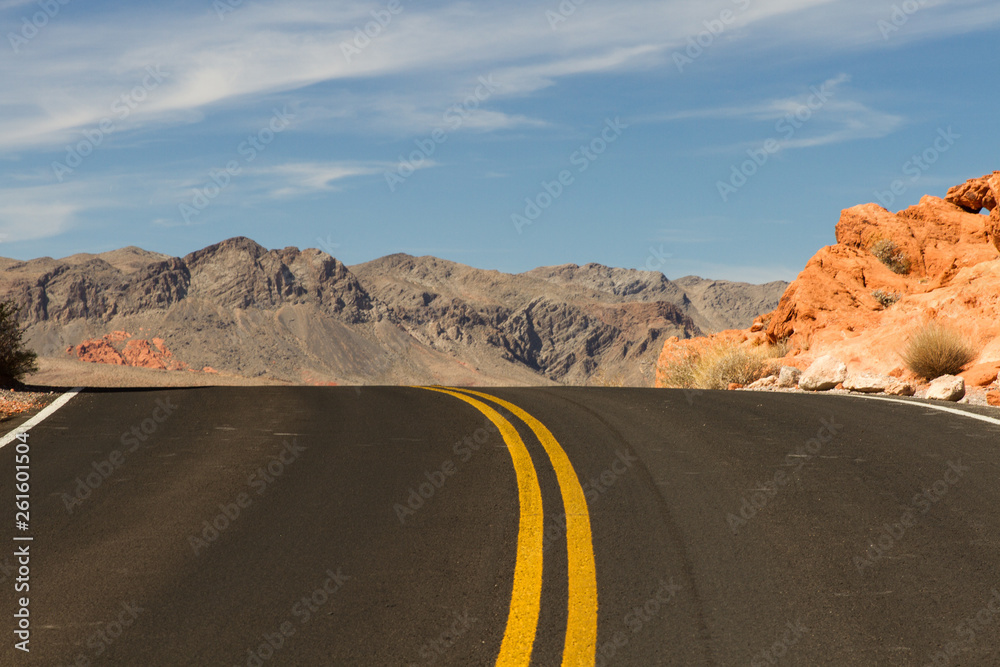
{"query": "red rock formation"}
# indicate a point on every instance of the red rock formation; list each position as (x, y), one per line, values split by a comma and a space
(98, 352)
(135, 352)
(954, 278)
(140, 353)
(978, 194)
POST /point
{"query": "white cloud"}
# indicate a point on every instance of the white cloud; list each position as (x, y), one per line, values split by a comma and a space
(83, 66)
(67, 78)
(28, 213)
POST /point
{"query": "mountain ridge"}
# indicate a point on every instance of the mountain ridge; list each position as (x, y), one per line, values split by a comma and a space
(303, 316)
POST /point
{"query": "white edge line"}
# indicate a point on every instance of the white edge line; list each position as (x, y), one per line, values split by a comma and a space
(932, 406)
(37, 419)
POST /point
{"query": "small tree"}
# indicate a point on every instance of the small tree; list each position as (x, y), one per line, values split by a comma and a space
(16, 360)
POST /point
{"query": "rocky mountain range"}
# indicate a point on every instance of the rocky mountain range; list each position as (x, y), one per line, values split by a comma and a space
(302, 316)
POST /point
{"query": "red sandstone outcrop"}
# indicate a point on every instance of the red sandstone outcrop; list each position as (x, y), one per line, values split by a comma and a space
(834, 306)
(98, 352)
(121, 349)
(978, 194)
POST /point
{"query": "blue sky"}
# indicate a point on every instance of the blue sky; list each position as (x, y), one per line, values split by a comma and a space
(720, 138)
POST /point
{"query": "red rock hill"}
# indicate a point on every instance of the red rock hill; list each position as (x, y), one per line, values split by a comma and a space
(953, 255)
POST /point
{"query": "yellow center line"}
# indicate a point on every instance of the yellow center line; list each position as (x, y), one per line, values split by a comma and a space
(581, 626)
(526, 596)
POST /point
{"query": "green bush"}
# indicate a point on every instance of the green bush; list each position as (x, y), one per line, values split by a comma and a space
(16, 361)
(936, 350)
(887, 252)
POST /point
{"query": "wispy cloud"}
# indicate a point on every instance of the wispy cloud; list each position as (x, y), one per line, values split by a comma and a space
(818, 116)
(305, 178)
(60, 84)
(38, 212)
(222, 77)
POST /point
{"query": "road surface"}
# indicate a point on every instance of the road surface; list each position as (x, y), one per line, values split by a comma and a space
(410, 526)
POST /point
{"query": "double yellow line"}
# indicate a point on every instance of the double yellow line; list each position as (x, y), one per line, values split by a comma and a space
(522, 621)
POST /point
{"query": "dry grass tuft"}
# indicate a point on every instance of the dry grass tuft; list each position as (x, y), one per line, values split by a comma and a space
(936, 350)
(721, 364)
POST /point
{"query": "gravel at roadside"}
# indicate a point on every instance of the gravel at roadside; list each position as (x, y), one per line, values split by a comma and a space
(14, 402)
(973, 395)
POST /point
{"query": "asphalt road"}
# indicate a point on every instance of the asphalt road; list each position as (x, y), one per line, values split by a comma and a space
(396, 526)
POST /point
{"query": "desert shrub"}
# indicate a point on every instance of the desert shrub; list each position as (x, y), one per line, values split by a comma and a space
(887, 252)
(936, 350)
(680, 373)
(885, 297)
(601, 378)
(16, 360)
(719, 365)
(722, 364)
(780, 349)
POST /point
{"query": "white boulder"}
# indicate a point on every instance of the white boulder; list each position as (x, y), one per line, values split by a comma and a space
(900, 388)
(947, 388)
(824, 373)
(867, 383)
(788, 376)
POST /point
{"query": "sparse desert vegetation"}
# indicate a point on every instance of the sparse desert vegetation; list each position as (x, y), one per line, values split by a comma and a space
(720, 364)
(886, 297)
(890, 254)
(936, 350)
